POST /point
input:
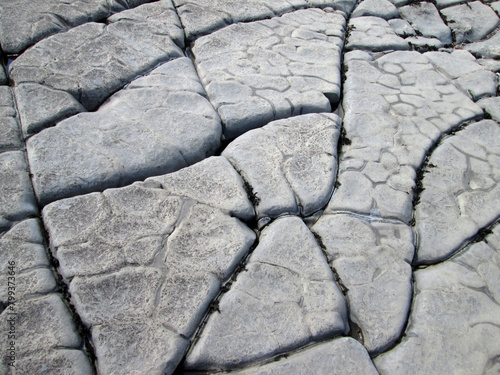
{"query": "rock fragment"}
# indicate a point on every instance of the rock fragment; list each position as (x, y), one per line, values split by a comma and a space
(9, 129)
(425, 19)
(373, 34)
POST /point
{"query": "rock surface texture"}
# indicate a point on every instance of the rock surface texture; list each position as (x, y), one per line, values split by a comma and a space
(249, 187)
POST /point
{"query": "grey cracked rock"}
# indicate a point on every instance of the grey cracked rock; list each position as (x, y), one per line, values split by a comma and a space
(372, 259)
(261, 71)
(160, 123)
(396, 107)
(471, 22)
(401, 27)
(93, 60)
(489, 48)
(9, 128)
(373, 34)
(25, 23)
(377, 8)
(459, 190)
(286, 298)
(289, 164)
(17, 200)
(425, 18)
(491, 106)
(454, 326)
(343, 356)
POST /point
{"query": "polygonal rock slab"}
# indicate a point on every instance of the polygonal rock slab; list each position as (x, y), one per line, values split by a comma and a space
(290, 165)
(471, 22)
(9, 128)
(144, 263)
(425, 18)
(17, 200)
(377, 8)
(461, 189)
(158, 124)
(455, 322)
(286, 298)
(92, 61)
(372, 259)
(343, 356)
(262, 71)
(373, 34)
(489, 48)
(396, 108)
(491, 106)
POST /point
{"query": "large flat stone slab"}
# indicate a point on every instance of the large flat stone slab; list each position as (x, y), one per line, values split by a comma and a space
(143, 263)
(92, 61)
(286, 298)
(454, 326)
(489, 48)
(459, 190)
(377, 8)
(10, 137)
(425, 18)
(160, 123)
(372, 259)
(290, 165)
(258, 72)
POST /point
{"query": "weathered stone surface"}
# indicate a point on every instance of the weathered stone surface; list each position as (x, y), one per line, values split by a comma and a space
(459, 190)
(466, 74)
(158, 124)
(401, 27)
(489, 49)
(25, 23)
(144, 263)
(262, 71)
(92, 61)
(396, 107)
(377, 8)
(3, 76)
(289, 164)
(372, 259)
(17, 200)
(373, 34)
(425, 18)
(41, 106)
(285, 299)
(471, 22)
(343, 356)
(446, 3)
(490, 64)
(422, 43)
(491, 106)
(9, 129)
(454, 326)
(495, 6)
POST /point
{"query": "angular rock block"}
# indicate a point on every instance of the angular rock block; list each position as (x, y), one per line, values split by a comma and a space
(489, 48)
(290, 165)
(261, 71)
(286, 298)
(372, 259)
(160, 123)
(376, 8)
(144, 262)
(455, 320)
(425, 18)
(396, 108)
(491, 106)
(92, 61)
(9, 128)
(460, 191)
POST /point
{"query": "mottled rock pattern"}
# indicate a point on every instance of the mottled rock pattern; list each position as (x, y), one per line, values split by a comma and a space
(372, 259)
(289, 164)
(9, 128)
(258, 72)
(343, 356)
(373, 34)
(425, 18)
(396, 108)
(464, 178)
(377, 8)
(94, 60)
(454, 326)
(489, 48)
(401, 27)
(160, 123)
(287, 297)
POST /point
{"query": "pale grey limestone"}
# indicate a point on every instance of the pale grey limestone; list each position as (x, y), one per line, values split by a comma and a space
(261, 71)
(491, 106)
(372, 259)
(92, 61)
(459, 191)
(377, 8)
(287, 297)
(343, 356)
(3, 76)
(160, 123)
(289, 164)
(447, 3)
(401, 27)
(10, 137)
(422, 43)
(465, 73)
(490, 64)
(373, 34)
(455, 320)
(40, 106)
(144, 262)
(495, 6)
(489, 48)
(425, 18)
(471, 22)
(396, 107)
(17, 200)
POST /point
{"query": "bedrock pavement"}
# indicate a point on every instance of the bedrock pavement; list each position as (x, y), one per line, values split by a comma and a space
(253, 187)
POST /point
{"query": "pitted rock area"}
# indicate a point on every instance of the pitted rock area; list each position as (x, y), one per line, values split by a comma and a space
(249, 187)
